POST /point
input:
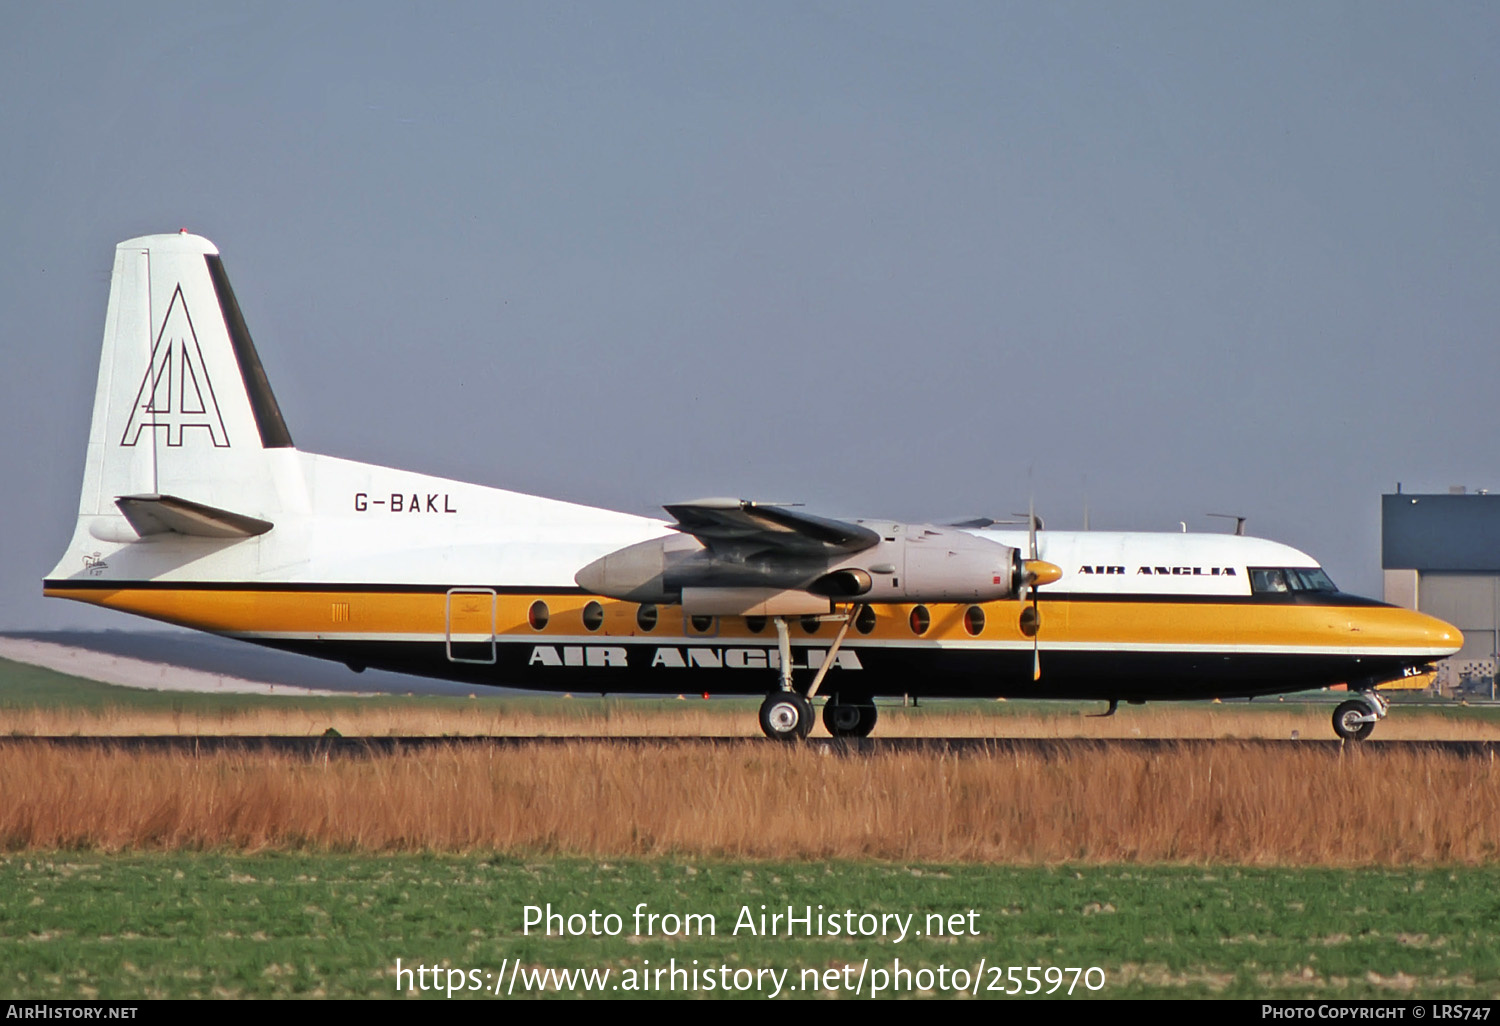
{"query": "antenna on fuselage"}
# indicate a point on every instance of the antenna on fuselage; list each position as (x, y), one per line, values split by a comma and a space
(1239, 521)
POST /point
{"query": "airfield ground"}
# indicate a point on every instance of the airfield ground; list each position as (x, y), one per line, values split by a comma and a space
(1228, 871)
(41, 702)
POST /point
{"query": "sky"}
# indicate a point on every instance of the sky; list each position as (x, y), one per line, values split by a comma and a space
(915, 260)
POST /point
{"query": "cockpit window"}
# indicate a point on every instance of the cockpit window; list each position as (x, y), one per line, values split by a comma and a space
(1280, 580)
(1313, 579)
(1269, 580)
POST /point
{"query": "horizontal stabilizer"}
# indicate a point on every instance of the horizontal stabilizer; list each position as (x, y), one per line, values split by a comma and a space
(164, 514)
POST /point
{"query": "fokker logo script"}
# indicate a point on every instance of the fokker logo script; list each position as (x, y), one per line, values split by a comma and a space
(175, 392)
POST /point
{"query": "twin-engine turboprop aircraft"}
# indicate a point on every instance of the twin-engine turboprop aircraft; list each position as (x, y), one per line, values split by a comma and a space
(198, 510)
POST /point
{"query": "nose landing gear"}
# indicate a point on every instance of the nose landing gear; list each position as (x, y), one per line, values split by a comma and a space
(1355, 719)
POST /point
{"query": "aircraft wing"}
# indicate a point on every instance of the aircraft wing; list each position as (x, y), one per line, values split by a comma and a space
(738, 525)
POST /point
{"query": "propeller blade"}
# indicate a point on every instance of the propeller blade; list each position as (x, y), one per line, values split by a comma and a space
(1031, 626)
(1031, 527)
(1035, 572)
(1036, 635)
(1039, 572)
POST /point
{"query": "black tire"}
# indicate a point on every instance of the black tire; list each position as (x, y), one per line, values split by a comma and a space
(1346, 723)
(849, 719)
(786, 716)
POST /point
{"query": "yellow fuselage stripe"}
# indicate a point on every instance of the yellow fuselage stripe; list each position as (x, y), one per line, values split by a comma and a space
(372, 614)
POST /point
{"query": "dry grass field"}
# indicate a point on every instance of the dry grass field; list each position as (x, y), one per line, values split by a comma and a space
(1230, 803)
(627, 717)
(1225, 869)
(1196, 804)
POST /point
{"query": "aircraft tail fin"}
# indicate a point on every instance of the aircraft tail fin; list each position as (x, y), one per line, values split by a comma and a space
(183, 407)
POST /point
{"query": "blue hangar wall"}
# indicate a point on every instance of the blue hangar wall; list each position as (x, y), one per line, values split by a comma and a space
(1441, 554)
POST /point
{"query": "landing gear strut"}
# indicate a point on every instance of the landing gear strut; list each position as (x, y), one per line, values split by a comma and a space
(786, 715)
(1355, 719)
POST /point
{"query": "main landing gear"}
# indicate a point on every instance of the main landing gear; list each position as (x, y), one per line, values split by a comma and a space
(849, 719)
(786, 715)
(1355, 719)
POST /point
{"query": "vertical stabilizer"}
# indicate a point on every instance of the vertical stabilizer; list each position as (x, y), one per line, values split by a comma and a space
(183, 406)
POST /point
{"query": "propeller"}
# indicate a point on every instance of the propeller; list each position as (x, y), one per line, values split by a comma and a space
(1035, 572)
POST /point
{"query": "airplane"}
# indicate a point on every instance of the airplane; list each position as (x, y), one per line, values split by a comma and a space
(198, 510)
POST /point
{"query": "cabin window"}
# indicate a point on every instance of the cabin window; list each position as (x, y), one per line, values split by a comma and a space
(538, 615)
(865, 621)
(920, 620)
(645, 618)
(702, 624)
(593, 616)
(811, 623)
(974, 620)
(755, 624)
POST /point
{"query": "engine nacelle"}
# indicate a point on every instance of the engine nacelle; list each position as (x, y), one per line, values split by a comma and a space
(939, 564)
(911, 563)
(638, 573)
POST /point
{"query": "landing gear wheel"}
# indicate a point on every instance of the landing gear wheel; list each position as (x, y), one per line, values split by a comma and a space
(1349, 721)
(786, 716)
(849, 719)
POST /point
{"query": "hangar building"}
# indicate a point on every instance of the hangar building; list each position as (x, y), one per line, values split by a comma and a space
(1441, 555)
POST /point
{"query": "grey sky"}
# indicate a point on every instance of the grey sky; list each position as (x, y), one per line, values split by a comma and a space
(911, 259)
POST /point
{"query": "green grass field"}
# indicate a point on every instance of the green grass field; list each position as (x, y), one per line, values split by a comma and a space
(82, 925)
(23, 686)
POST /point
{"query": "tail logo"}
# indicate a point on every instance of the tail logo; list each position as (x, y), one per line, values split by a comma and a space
(176, 392)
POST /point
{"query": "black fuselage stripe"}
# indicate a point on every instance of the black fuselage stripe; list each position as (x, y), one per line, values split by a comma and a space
(949, 673)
